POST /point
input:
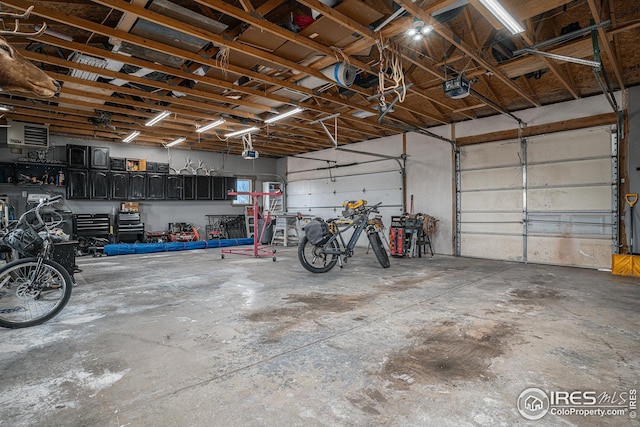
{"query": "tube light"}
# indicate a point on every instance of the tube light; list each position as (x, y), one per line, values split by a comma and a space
(210, 126)
(177, 141)
(157, 118)
(131, 136)
(241, 132)
(284, 115)
(503, 16)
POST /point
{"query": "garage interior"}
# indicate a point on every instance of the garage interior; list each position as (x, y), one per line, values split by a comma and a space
(519, 138)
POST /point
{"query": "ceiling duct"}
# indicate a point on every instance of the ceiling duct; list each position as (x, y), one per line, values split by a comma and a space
(339, 73)
(166, 35)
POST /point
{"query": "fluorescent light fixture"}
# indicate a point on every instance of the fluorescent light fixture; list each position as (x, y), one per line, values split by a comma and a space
(131, 136)
(5, 108)
(210, 126)
(284, 115)
(503, 16)
(157, 118)
(241, 132)
(177, 141)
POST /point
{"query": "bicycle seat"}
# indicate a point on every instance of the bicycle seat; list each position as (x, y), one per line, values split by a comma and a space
(55, 238)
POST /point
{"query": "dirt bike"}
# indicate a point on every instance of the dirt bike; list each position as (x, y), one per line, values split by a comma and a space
(323, 245)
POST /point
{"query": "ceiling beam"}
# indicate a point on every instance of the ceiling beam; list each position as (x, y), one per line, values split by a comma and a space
(146, 43)
(527, 36)
(449, 36)
(604, 42)
(285, 34)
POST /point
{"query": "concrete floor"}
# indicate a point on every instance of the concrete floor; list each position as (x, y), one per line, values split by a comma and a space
(189, 339)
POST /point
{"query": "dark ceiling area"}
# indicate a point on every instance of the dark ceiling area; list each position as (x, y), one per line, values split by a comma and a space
(350, 65)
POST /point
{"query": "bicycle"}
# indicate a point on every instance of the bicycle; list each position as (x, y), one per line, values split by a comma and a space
(33, 288)
(323, 245)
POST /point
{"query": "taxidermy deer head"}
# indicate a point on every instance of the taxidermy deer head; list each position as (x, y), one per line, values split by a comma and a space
(17, 74)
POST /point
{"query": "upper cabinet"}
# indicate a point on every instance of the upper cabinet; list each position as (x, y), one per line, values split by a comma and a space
(99, 158)
(189, 187)
(78, 156)
(203, 188)
(91, 173)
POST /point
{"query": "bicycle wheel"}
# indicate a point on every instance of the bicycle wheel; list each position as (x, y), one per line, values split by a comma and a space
(378, 249)
(314, 259)
(29, 297)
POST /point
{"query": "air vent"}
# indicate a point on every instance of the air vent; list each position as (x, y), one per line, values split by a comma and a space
(27, 134)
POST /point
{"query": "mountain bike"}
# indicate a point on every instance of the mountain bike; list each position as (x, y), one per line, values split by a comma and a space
(33, 288)
(323, 245)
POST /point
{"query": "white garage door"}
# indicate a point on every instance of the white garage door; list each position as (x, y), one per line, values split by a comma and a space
(323, 197)
(550, 200)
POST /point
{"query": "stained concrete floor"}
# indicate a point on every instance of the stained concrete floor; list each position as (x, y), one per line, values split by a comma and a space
(189, 339)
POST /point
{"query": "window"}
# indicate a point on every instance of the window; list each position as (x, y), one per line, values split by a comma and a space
(242, 185)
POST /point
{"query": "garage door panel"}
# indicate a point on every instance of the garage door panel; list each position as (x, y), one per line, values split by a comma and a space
(570, 199)
(492, 228)
(492, 246)
(490, 155)
(596, 171)
(491, 179)
(569, 251)
(580, 144)
(489, 217)
(597, 225)
(504, 200)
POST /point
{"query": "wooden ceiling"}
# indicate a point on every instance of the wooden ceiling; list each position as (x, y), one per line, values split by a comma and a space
(120, 63)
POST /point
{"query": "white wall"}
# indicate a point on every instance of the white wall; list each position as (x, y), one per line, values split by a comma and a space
(538, 116)
(430, 181)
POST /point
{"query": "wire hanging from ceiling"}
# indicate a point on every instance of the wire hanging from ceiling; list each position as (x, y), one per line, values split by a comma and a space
(222, 59)
(391, 63)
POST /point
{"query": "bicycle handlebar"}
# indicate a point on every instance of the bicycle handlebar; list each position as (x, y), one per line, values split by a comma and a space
(52, 199)
(41, 204)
